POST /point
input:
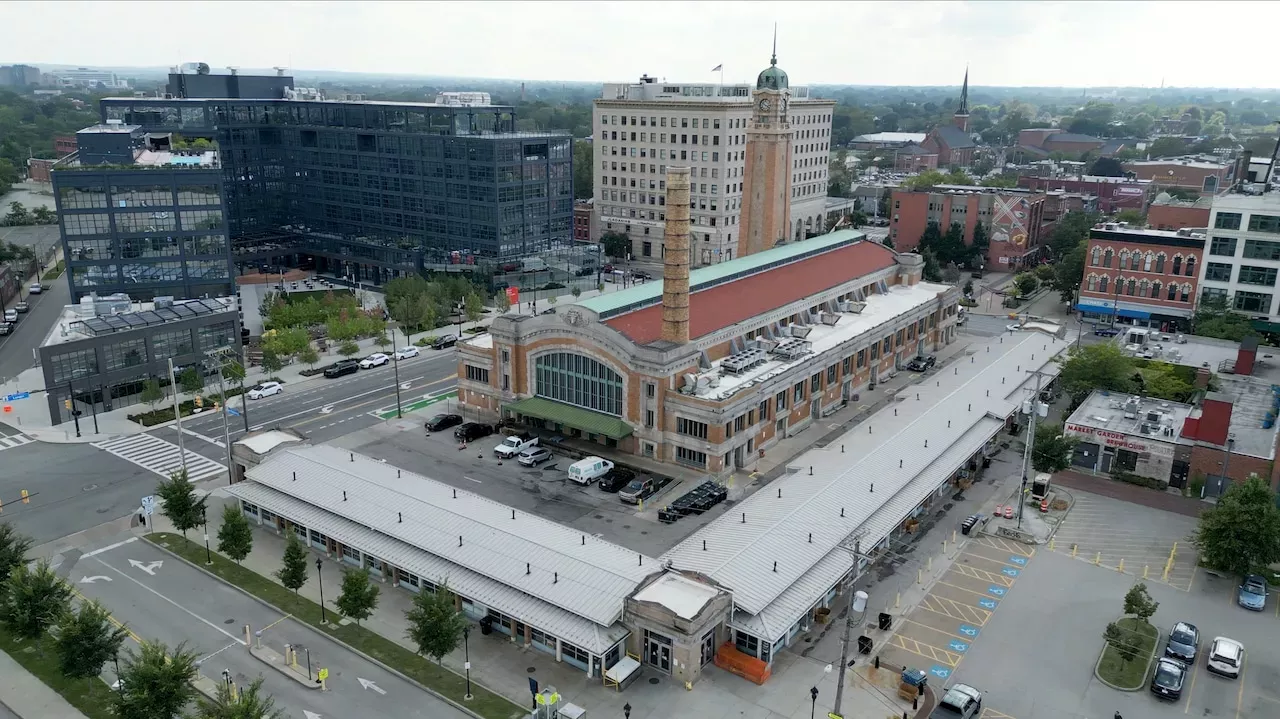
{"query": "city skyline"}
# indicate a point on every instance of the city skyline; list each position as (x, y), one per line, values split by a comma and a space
(1068, 44)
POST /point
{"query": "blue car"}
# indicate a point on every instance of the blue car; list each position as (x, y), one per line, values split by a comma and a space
(1252, 593)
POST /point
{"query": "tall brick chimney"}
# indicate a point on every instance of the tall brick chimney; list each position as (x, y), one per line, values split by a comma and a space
(675, 263)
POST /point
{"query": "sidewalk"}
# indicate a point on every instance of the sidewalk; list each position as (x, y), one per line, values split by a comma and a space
(26, 696)
(500, 665)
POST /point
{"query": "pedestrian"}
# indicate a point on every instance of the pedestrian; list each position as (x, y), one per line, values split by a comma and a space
(1118, 715)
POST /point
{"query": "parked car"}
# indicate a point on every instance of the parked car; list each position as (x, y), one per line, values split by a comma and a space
(22, 307)
(443, 421)
(1166, 683)
(641, 275)
(472, 431)
(6, 328)
(444, 341)
(584, 272)
(406, 352)
(35, 288)
(533, 456)
(377, 359)
(266, 389)
(548, 311)
(589, 469)
(960, 701)
(1252, 593)
(10, 315)
(1106, 331)
(1184, 642)
(638, 490)
(342, 367)
(615, 479)
(1226, 656)
(514, 444)
(922, 363)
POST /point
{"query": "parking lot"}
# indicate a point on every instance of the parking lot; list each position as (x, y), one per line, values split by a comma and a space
(1108, 531)
(544, 490)
(938, 633)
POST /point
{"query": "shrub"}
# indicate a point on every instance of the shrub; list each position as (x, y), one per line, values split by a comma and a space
(1131, 478)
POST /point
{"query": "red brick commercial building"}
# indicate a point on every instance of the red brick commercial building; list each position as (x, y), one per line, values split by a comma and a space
(1014, 219)
(586, 225)
(64, 145)
(1148, 278)
(915, 158)
(1234, 431)
(1050, 139)
(1114, 193)
(39, 170)
(1207, 178)
(1166, 213)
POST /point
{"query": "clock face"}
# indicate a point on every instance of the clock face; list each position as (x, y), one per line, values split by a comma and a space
(764, 105)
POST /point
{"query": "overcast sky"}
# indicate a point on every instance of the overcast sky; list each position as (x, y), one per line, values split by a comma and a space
(899, 43)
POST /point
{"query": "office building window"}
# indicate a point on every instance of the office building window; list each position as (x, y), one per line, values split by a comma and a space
(1257, 276)
(578, 380)
(1261, 250)
(691, 457)
(691, 428)
(1217, 272)
(477, 374)
(1263, 223)
(1227, 221)
(1253, 302)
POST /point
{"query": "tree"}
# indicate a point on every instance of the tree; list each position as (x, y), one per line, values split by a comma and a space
(18, 215)
(249, 703)
(1068, 272)
(981, 245)
(155, 683)
(181, 506)
(235, 537)
(13, 551)
(359, 596)
(576, 292)
(1161, 380)
(348, 348)
(1052, 452)
(435, 625)
(1106, 167)
(1242, 531)
(307, 356)
(234, 373)
(151, 393)
(616, 244)
(1124, 641)
(473, 307)
(191, 380)
(86, 639)
(1026, 283)
(1131, 216)
(583, 163)
(294, 572)
(887, 242)
(968, 288)
(502, 301)
(44, 216)
(1138, 602)
(1166, 147)
(271, 361)
(34, 599)
(1100, 366)
(1213, 318)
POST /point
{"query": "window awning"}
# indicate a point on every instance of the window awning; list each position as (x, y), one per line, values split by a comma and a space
(576, 417)
(1106, 310)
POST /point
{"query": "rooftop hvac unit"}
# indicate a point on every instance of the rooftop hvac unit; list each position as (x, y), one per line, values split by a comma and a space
(690, 381)
(829, 319)
(713, 380)
(857, 307)
(792, 349)
(765, 345)
(844, 306)
(1153, 416)
(800, 331)
(164, 302)
(1130, 414)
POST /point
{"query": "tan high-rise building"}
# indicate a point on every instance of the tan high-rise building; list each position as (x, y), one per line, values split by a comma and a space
(766, 199)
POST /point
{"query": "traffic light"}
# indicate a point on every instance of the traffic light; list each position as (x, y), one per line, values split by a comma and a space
(66, 403)
(199, 401)
(26, 498)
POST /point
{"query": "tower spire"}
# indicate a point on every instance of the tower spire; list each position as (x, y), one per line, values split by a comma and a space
(774, 59)
(964, 94)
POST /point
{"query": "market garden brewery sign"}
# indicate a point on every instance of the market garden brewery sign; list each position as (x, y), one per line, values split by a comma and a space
(1118, 439)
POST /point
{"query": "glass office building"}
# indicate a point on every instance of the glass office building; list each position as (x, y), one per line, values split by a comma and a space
(375, 190)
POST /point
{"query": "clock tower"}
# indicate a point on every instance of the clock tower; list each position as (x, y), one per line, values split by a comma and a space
(766, 199)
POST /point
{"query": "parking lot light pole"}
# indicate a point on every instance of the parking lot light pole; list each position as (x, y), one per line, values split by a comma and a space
(466, 648)
(858, 604)
(395, 363)
(813, 704)
(324, 618)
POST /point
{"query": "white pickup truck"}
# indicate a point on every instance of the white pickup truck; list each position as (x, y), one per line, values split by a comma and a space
(514, 445)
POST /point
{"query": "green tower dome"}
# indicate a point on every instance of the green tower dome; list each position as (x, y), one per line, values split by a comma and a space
(772, 77)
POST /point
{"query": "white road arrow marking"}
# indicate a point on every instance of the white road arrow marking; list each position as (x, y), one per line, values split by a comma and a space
(326, 409)
(91, 580)
(405, 385)
(370, 685)
(311, 715)
(148, 567)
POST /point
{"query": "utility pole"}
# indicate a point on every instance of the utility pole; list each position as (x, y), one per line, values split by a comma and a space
(849, 622)
(177, 415)
(220, 356)
(1031, 443)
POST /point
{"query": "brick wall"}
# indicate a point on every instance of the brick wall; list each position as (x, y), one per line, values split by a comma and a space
(1176, 217)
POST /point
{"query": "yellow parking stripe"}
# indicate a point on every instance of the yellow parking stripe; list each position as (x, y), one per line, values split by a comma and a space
(983, 575)
(924, 650)
(1006, 546)
(995, 561)
(955, 610)
(984, 595)
(989, 713)
(935, 629)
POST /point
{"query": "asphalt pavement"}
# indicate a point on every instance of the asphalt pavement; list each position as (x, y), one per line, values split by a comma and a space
(16, 348)
(162, 598)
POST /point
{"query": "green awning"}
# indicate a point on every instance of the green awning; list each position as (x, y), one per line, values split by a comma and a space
(576, 417)
(1265, 326)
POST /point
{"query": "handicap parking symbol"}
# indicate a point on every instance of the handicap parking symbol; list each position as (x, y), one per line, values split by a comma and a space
(940, 672)
(998, 591)
(1020, 561)
(1009, 572)
(987, 603)
(968, 631)
(957, 646)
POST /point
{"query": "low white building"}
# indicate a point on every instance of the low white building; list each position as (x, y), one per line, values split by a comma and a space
(1128, 433)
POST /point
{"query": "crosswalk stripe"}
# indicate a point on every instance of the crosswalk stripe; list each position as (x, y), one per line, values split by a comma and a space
(161, 456)
(15, 440)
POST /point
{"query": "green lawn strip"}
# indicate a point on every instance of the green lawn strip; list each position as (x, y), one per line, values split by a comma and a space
(424, 671)
(1114, 671)
(56, 272)
(91, 696)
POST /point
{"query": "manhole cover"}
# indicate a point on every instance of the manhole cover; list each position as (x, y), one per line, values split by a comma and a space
(89, 488)
(608, 521)
(229, 621)
(653, 680)
(597, 516)
(626, 526)
(102, 510)
(531, 669)
(644, 531)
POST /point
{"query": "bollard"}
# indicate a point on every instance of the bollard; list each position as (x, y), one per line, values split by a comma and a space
(1051, 543)
(257, 639)
(248, 636)
(944, 546)
(919, 576)
(1120, 567)
(640, 506)
(1165, 577)
(897, 600)
(929, 564)
(1073, 551)
(324, 686)
(1144, 571)
(953, 536)
(1098, 559)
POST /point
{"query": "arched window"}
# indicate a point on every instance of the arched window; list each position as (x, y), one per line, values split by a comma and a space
(1143, 288)
(1133, 286)
(1124, 259)
(1155, 290)
(578, 380)
(1146, 265)
(1173, 291)
(1093, 283)
(1191, 267)
(1177, 264)
(1102, 284)
(1106, 258)
(1096, 255)
(1186, 293)
(1160, 263)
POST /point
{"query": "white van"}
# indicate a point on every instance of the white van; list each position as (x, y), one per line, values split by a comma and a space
(586, 471)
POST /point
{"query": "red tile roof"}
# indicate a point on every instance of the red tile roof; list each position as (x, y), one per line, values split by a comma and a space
(726, 304)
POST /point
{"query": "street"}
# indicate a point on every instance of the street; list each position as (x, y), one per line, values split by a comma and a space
(16, 348)
(161, 598)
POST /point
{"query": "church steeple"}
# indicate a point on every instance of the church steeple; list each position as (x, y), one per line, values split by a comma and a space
(961, 118)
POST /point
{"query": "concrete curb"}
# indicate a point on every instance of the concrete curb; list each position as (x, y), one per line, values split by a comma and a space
(339, 642)
(263, 654)
(1145, 672)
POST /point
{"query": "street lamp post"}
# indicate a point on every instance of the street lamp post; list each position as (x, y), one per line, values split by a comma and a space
(1226, 459)
(204, 519)
(395, 363)
(466, 649)
(813, 704)
(324, 618)
(119, 682)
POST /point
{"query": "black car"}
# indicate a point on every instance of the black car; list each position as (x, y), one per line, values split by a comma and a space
(6, 328)
(922, 363)
(444, 341)
(585, 272)
(341, 367)
(616, 479)
(1106, 331)
(1167, 681)
(1184, 641)
(641, 275)
(472, 431)
(443, 421)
